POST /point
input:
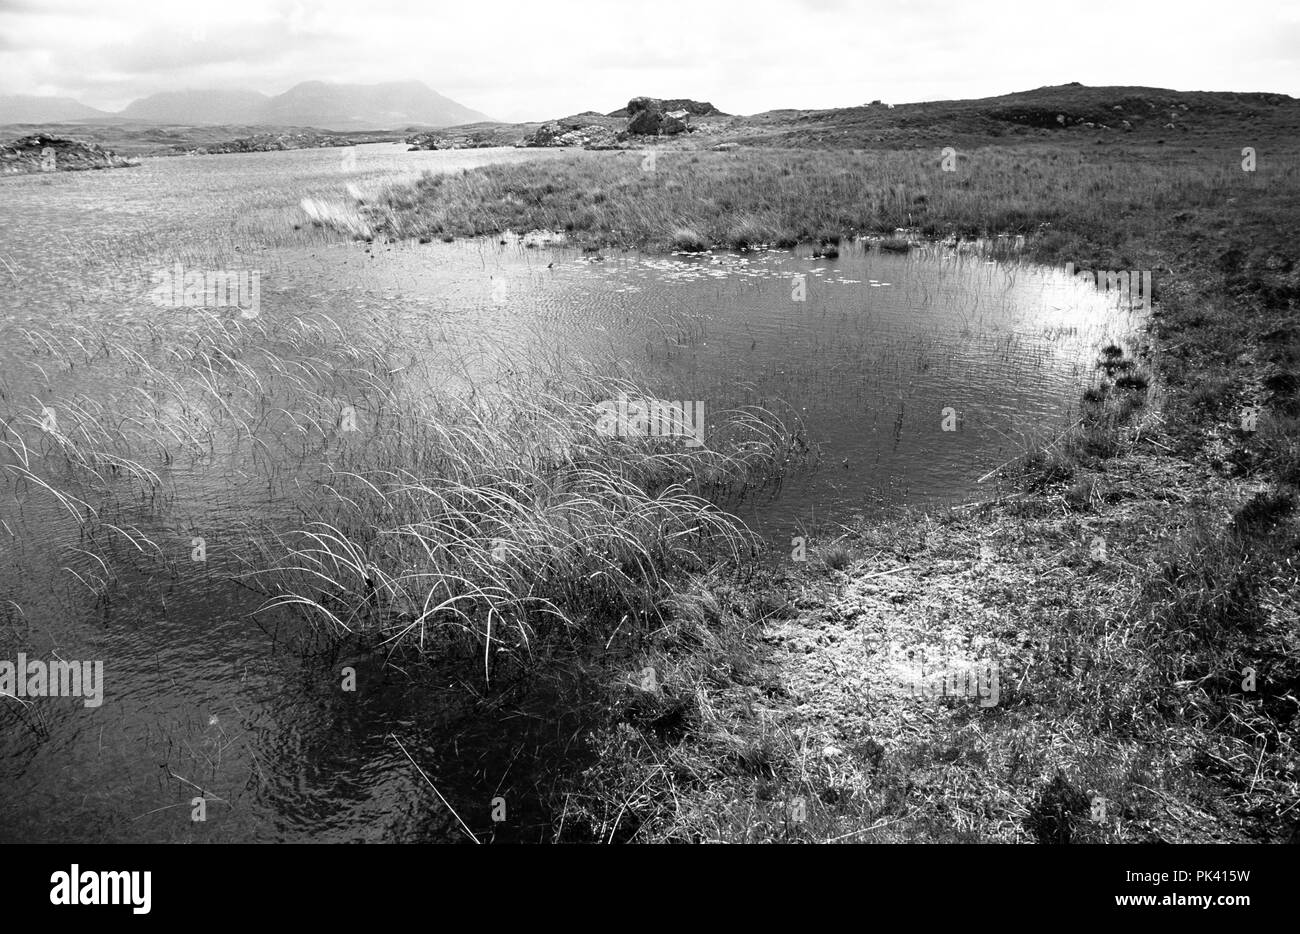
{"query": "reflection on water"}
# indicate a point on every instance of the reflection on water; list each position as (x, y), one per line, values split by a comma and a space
(876, 355)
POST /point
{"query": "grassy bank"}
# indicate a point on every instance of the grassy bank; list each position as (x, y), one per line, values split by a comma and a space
(1157, 673)
(1120, 668)
(1114, 199)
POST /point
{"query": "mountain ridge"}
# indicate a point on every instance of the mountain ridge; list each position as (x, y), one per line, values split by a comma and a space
(332, 105)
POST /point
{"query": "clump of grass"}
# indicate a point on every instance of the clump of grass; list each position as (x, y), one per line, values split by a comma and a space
(1082, 494)
(1279, 444)
(441, 519)
(693, 727)
(337, 215)
(1042, 469)
(686, 240)
(1134, 381)
(836, 556)
(1207, 587)
(1206, 397)
(1263, 512)
(490, 528)
(1112, 361)
(894, 245)
(747, 233)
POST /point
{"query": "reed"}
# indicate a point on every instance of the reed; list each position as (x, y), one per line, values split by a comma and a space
(443, 505)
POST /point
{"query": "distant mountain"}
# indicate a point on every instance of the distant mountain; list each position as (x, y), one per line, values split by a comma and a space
(367, 106)
(319, 104)
(27, 108)
(198, 108)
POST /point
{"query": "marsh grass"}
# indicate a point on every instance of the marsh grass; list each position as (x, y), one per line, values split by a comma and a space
(456, 514)
(688, 241)
(1068, 197)
(440, 508)
(523, 521)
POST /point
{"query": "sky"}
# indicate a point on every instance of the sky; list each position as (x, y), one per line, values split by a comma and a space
(521, 60)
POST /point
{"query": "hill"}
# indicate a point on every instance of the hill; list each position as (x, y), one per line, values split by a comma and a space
(206, 108)
(309, 104)
(1070, 111)
(1043, 112)
(363, 107)
(27, 108)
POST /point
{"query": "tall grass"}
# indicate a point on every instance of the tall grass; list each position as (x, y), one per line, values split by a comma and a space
(442, 505)
(1071, 197)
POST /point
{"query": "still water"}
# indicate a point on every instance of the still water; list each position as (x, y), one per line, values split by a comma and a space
(874, 354)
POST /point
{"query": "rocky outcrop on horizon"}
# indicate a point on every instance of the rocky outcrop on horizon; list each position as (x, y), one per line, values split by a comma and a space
(695, 108)
(271, 142)
(472, 136)
(43, 153)
(650, 116)
(646, 116)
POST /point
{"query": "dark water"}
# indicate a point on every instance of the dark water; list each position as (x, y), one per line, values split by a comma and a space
(868, 351)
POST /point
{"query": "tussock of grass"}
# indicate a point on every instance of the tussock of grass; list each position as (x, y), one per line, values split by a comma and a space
(524, 519)
(747, 233)
(688, 241)
(337, 215)
(836, 557)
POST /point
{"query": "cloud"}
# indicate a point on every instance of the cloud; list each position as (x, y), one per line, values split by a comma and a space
(520, 59)
(173, 51)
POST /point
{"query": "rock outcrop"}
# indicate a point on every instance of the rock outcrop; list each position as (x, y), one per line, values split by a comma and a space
(645, 116)
(271, 142)
(42, 153)
(650, 116)
(675, 121)
(443, 139)
(581, 130)
(473, 136)
(695, 108)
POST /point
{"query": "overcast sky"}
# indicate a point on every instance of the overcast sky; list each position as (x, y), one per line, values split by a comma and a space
(534, 59)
